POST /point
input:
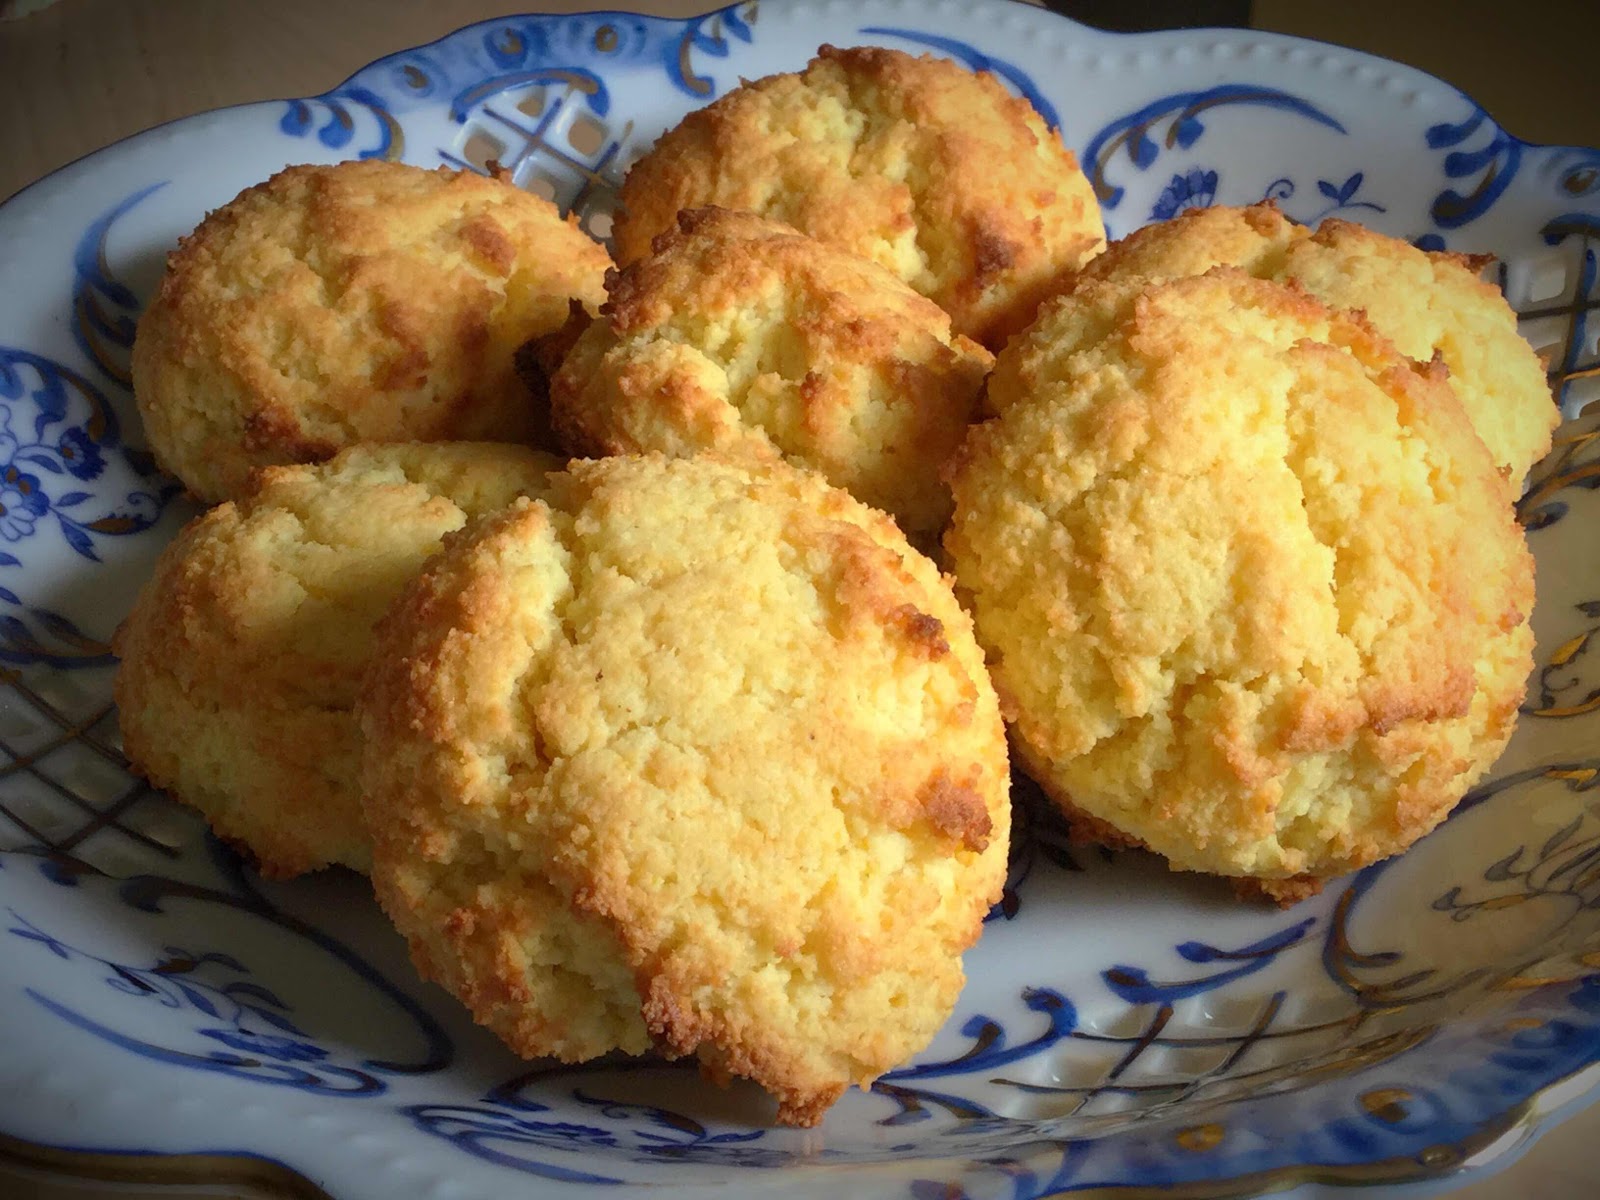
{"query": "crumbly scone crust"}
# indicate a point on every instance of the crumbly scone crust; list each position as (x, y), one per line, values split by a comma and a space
(1251, 589)
(932, 171)
(739, 336)
(1426, 302)
(364, 301)
(241, 658)
(693, 756)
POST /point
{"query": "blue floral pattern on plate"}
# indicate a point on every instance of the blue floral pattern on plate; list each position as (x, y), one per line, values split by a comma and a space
(60, 474)
(1121, 1027)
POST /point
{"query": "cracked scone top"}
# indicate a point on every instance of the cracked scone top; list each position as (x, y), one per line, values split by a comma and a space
(1425, 302)
(241, 658)
(364, 301)
(739, 335)
(692, 756)
(933, 171)
(1249, 583)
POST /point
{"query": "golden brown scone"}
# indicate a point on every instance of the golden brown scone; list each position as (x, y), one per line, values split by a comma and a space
(242, 656)
(742, 337)
(1426, 303)
(365, 301)
(930, 170)
(696, 756)
(1249, 584)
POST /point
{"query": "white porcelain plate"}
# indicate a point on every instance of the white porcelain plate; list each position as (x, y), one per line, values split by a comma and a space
(1124, 1027)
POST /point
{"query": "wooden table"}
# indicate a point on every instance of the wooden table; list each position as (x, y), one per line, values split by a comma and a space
(80, 74)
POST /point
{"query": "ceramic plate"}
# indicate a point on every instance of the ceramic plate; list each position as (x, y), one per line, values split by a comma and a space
(1124, 1028)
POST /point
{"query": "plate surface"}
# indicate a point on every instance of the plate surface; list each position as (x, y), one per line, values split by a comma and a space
(1123, 1027)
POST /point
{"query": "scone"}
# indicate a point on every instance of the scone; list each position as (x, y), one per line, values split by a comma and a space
(932, 171)
(1426, 303)
(692, 756)
(739, 336)
(365, 301)
(1251, 590)
(242, 656)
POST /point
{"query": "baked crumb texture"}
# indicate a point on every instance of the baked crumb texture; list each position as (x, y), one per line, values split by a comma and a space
(1427, 303)
(364, 301)
(933, 172)
(695, 757)
(242, 656)
(739, 336)
(1250, 585)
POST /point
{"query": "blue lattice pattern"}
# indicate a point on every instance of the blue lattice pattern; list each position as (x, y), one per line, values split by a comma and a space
(65, 788)
(549, 142)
